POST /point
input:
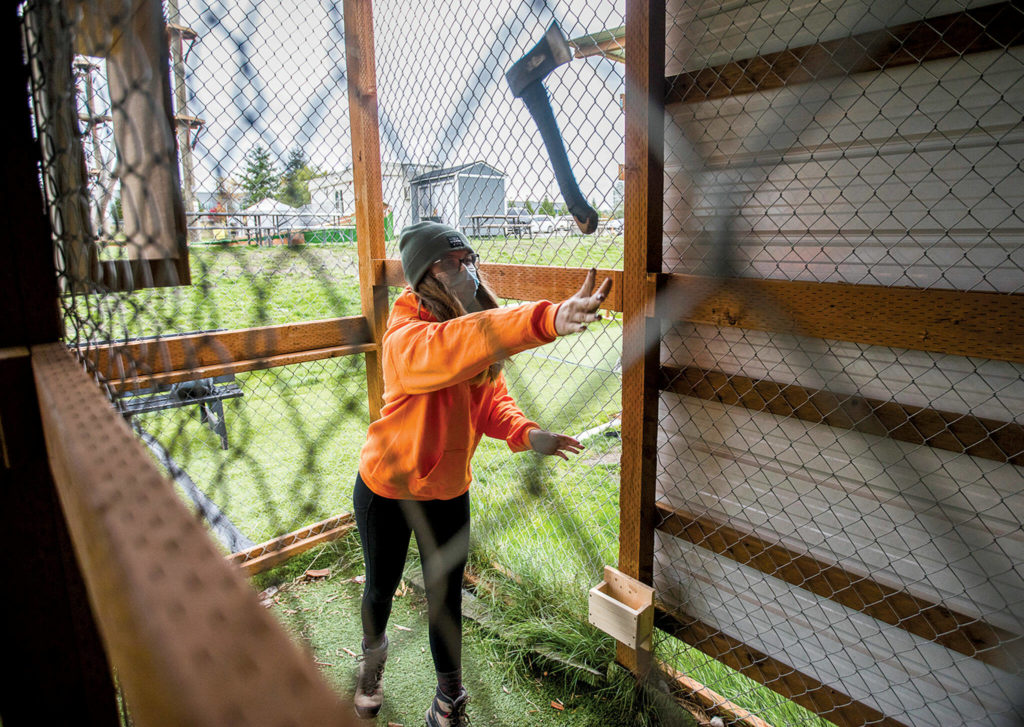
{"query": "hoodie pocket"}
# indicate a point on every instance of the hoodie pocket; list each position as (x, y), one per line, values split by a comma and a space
(452, 465)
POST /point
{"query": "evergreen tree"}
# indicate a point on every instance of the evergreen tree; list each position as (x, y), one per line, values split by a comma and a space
(295, 179)
(260, 179)
(547, 207)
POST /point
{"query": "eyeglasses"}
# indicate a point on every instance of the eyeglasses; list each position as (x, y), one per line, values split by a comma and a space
(450, 265)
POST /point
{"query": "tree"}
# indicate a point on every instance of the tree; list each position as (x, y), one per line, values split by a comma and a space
(547, 207)
(295, 179)
(260, 179)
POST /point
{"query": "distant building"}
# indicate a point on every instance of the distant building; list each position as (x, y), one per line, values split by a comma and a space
(334, 194)
(454, 195)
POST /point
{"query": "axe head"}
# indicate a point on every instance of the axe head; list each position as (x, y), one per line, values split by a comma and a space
(550, 52)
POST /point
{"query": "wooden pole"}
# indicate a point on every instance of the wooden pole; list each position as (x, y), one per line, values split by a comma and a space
(362, 104)
(645, 78)
(57, 671)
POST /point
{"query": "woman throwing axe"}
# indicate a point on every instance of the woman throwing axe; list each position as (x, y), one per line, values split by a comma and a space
(442, 357)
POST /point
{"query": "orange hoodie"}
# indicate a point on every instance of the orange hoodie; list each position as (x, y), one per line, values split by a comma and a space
(433, 417)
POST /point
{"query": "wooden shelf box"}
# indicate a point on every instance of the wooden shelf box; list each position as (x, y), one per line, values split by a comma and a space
(623, 608)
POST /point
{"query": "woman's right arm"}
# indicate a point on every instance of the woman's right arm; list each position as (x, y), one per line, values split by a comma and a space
(426, 356)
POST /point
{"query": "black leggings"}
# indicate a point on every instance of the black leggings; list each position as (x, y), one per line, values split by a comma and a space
(442, 532)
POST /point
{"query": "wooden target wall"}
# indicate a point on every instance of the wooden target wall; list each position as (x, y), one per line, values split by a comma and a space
(822, 473)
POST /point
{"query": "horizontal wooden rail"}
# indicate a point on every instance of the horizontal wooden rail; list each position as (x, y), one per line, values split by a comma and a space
(272, 553)
(778, 676)
(1000, 25)
(142, 381)
(140, 363)
(711, 700)
(526, 282)
(184, 631)
(987, 438)
(963, 323)
(963, 634)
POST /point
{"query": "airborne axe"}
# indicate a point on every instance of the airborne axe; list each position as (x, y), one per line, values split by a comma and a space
(526, 79)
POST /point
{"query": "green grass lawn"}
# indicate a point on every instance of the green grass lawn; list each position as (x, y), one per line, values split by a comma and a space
(296, 433)
(324, 617)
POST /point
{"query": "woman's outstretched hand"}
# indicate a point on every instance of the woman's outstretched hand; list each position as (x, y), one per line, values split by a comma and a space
(576, 312)
(544, 442)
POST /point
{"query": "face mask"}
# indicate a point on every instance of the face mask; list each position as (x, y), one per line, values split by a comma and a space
(464, 284)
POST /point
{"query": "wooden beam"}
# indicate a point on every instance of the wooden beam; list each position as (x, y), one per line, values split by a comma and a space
(366, 176)
(954, 432)
(142, 359)
(992, 27)
(526, 282)
(145, 381)
(711, 700)
(644, 207)
(272, 553)
(830, 703)
(51, 613)
(184, 632)
(962, 633)
(962, 323)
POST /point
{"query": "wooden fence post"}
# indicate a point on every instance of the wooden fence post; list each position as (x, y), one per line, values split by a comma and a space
(645, 78)
(362, 104)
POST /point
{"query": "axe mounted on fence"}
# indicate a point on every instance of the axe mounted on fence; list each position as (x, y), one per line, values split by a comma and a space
(526, 79)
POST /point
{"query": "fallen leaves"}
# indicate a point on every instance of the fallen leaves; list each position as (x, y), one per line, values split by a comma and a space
(316, 573)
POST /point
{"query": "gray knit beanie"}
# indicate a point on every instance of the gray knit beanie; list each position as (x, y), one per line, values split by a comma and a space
(423, 243)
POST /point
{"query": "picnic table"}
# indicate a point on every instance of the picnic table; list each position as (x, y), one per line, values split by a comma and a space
(502, 224)
(208, 394)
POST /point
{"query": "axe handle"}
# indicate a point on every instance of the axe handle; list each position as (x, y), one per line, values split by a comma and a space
(535, 96)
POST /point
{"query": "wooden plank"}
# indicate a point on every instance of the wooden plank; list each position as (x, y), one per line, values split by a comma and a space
(778, 676)
(144, 381)
(527, 282)
(51, 612)
(933, 622)
(644, 201)
(147, 357)
(963, 323)
(274, 552)
(979, 437)
(992, 27)
(188, 641)
(711, 700)
(366, 182)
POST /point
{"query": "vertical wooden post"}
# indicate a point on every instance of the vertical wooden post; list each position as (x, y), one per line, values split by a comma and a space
(362, 104)
(57, 671)
(645, 80)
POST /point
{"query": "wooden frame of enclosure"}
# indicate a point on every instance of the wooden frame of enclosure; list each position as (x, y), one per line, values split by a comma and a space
(103, 603)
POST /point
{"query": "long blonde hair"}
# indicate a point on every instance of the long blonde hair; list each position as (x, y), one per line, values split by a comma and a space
(439, 300)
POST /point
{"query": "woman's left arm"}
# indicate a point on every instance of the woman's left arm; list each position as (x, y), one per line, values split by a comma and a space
(506, 421)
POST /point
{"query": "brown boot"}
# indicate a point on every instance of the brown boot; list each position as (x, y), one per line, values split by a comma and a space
(369, 692)
(448, 712)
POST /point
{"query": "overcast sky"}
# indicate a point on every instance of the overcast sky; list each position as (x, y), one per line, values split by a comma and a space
(274, 73)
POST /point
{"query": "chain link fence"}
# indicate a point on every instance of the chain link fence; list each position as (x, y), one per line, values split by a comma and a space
(259, 111)
(841, 508)
(787, 457)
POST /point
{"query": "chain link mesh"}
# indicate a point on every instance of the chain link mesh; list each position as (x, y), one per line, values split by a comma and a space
(846, 509)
